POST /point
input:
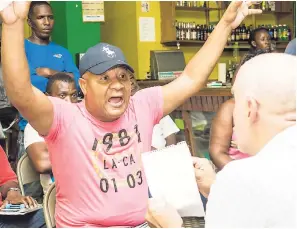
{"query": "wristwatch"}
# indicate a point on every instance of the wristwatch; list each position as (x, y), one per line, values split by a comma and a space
(14, 189)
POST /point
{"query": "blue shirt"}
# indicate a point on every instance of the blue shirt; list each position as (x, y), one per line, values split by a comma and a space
(291, 48)
(51, 56)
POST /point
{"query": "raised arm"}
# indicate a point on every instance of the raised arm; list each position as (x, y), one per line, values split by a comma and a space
(32, 104)
(199, 68)
(221, 135)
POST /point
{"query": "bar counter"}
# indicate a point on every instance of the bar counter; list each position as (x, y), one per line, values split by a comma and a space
(206, 100)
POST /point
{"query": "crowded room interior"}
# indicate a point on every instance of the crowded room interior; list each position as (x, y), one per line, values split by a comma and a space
(161, 114)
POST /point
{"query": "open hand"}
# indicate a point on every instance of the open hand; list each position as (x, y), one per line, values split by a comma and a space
(15, 11)
(237, 11)
(15, 197)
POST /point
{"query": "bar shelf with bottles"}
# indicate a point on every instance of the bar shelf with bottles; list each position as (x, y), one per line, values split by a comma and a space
(195, 34)
(193, 6)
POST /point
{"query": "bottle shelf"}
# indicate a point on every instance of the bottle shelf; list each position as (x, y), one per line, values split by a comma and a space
(202, 9)
(242, 45)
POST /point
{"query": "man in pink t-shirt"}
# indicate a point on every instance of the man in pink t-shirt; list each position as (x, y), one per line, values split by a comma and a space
(95, 146)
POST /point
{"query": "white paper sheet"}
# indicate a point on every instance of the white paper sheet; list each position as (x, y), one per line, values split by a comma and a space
(4, 4)
(171, 176)
(147, 29)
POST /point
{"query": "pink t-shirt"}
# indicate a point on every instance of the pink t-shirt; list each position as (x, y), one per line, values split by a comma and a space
(234, 153)
(97, 165)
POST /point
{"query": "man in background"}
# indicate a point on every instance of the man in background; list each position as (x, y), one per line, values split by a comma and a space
(10, 193)
(45, 57)
(291, 47)
(61, 86)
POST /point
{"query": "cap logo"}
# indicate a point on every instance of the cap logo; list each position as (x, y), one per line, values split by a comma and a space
(110, 53)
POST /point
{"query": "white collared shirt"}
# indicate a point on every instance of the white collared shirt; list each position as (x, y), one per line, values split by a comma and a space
(259, 191)
(31, 136)
(161, 131)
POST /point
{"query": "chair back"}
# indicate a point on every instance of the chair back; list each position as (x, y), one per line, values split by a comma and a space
(49, 205)
(26, 172)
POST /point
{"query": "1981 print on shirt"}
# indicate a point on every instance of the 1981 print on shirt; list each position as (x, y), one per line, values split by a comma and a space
(129, 157)
(97, 165)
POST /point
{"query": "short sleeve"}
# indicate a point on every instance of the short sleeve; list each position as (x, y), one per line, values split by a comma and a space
(70, 66)
(150, 100)
(6, 173)
(168, 127)
(31, 136)
(64, 114)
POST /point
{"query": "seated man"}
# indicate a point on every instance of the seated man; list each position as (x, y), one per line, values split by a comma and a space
(61, 86)
(10, 193)
(260, 191)
(163, 132)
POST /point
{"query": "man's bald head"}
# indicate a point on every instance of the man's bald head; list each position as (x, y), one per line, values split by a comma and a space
(265, 99)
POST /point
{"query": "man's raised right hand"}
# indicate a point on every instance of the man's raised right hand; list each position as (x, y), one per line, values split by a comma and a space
(15, 11)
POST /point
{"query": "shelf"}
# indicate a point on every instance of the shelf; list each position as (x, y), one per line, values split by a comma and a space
(203, 9)
(274, 12)
(243, 45)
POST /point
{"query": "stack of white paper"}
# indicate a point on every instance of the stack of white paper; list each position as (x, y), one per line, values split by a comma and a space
(171, 176)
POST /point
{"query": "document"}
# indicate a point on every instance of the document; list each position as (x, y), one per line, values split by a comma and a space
(170, 175)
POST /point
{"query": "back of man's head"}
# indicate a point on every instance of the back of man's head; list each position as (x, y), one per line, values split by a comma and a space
(265, 99)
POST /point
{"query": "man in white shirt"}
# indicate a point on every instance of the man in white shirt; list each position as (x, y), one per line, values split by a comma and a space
(259, 191)
(62, 86)
(164, 132)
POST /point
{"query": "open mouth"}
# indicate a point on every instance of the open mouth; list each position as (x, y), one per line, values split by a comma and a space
(116, 101)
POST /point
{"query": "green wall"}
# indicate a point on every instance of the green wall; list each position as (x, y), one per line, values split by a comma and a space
(70, 31)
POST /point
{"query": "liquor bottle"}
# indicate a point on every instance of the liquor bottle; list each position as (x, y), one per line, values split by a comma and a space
(237, 37)
(285, 33)
(183, 31)
(275, 33)
(289, 34)
(193, 31)
(177, 30)
(205, 32)
(263, 6)
(270, 31)
(244, 33)
(208, 31)
(248, 33)
(280, 33)
(233, 35)
(198, 33)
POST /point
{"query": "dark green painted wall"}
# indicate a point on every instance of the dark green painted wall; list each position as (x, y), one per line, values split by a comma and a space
(70, 31)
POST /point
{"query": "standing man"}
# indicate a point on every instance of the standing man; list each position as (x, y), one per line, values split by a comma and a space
(102, 137)
(45, 57)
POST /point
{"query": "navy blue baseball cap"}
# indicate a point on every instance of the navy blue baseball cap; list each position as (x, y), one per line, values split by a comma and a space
(102, 57)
